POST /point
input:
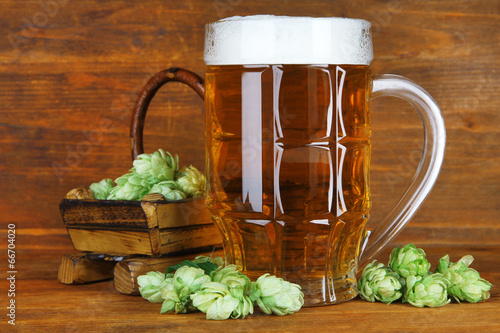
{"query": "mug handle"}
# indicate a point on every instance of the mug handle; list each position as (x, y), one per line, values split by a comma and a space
(147, 93)
(428, 168)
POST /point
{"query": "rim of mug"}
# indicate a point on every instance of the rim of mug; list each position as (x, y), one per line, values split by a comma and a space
(284, 17)
(271, 39)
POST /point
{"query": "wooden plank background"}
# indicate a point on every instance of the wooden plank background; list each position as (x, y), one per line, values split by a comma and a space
(69, 72)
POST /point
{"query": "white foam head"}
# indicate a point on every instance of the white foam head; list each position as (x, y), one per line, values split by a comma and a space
(267, 39)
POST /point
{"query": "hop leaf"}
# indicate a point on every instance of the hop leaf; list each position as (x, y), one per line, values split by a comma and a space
(151, 284)
(101, 189)
(168, 189)
(408, 261)
(177, 294)
(379, 282)
(429, 291)
(274, 295)
(208, 264)
(192, 182)
(465, 283)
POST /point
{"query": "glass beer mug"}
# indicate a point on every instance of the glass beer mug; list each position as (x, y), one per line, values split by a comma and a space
(287, 104)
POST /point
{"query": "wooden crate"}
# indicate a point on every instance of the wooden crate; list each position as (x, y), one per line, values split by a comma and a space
(151, 227)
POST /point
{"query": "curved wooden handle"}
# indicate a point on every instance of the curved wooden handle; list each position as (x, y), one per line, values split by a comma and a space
(146, 95)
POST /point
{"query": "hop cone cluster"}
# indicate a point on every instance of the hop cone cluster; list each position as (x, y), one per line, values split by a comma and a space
(224, 293)
(177, 294)
(168, 189)
(408, 277)
(465, 283)
(191, 182)
(380, 283)
(129, 187)
(216, 300)
(153, 173)
(429, 291)
(225, 296)
(156, 167)
(102, 188)
(275, 295)
(151, 285)
(408, 261)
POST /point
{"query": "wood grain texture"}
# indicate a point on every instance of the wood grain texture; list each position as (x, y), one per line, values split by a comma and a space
(44, 304)
(114, 242)
(134, 214)
(68, 84)
(147, 242)
(105, 214)
(127, 271)
(77, 269)
(151, 226)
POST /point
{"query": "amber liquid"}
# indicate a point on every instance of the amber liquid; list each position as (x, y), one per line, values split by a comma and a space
(288, 155)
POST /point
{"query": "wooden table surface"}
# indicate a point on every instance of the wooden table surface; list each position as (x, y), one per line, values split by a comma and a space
(46, 305)
(70, 72)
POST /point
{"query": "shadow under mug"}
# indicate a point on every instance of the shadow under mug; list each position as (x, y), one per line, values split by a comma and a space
(288, 159)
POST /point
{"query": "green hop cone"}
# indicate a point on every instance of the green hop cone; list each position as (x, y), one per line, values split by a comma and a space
(160, 165)
(219, 301)
(444, 264)
(380, 283)
(177, 294)
(191, 182)
(470, 287)
(239, 287)
(129, 187)
(171, 300)
(408, 261)
(240, 292)
(428, 291)
(151, 284)
(226, 296)
(168, 189)
(231, 274)
(274, 295)
(465, 283)
(203, 259)
(101, 189)
(153, 173)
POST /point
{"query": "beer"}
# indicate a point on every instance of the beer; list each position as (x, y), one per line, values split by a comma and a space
(288, 154)
(288, 159)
